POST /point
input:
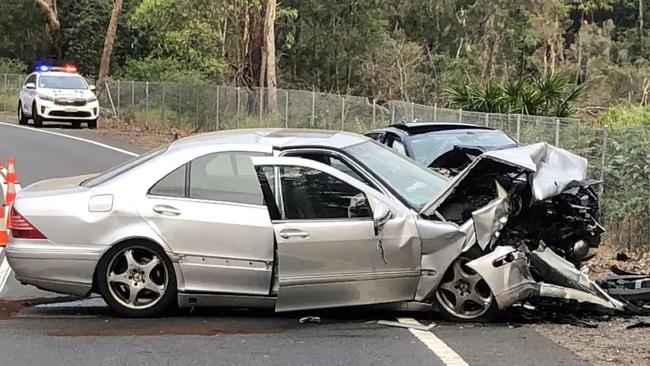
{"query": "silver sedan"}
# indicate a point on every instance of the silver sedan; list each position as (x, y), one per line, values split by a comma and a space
(291, 219)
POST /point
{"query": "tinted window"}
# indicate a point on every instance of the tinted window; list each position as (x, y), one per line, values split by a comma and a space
(312, 194)
(374, 135)
(173, 185)
(124, 167)
(61, 82)
(31, 79)
(226, 177)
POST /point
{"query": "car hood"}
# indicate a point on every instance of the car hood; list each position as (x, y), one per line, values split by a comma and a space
(77, 93)
(554, 170)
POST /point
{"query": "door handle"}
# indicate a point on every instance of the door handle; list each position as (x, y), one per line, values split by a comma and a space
(294, 234)
(166, 210)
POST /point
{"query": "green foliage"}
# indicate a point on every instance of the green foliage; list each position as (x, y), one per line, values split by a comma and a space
(157, 70)
(553, 95)
(12, 66)
(626, 115)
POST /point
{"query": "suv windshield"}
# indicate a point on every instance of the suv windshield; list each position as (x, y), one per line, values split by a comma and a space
(429, 146)
(413, 183)
(61, 82)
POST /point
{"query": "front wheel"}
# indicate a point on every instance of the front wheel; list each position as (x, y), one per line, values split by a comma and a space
(22, 120)
(92, 124)
(38, 120)
(137, 280)
(463, 295)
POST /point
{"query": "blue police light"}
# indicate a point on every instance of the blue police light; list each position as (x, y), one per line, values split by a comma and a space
(43, 68)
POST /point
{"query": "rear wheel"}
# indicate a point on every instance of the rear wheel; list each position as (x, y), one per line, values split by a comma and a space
(92, 124)
(463, 295)
(21, 116)
(137, 279)
(38, 120)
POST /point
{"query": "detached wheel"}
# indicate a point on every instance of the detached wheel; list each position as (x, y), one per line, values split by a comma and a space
(38, 120)
(137, 280)
(463, 295)
(22, 120)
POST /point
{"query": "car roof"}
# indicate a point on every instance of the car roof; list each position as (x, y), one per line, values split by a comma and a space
(57, 73)
(278, 138)
(416, 128)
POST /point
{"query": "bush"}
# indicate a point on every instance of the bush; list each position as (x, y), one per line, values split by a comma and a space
(12, 66)
(626, 115)
(158, 70)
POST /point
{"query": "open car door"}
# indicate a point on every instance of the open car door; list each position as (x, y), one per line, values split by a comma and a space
(339, 241)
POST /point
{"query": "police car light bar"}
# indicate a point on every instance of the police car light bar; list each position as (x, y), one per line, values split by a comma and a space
(66, 68)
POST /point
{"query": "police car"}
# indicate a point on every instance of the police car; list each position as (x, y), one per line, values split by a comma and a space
(57, 94)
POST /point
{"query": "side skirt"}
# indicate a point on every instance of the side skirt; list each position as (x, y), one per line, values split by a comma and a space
(187, 300)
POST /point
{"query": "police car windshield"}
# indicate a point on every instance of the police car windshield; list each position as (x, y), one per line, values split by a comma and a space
(61, 82)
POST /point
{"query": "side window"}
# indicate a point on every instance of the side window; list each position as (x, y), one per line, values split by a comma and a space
(395, 143)
(226, 177)
(374, 135)
(312, 194)
(335, 163)
(173, 185)
(31, 79)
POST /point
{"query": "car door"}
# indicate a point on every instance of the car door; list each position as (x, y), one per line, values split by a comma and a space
(210, 212)
(331, 250)
(28, 95)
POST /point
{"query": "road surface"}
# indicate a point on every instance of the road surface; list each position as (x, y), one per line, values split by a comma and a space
(61, 331)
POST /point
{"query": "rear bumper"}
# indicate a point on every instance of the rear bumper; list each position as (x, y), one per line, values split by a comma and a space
(51, 111)
(67, 269)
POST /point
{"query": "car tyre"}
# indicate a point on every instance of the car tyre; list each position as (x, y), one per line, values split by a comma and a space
(464, 296)
(76, 124)
(38, 120)
(22, 119)
(92, 124)
(137, 280)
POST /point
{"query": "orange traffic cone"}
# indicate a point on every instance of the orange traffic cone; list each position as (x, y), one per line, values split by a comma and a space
(11, 171)
(4, 236)
(11, 193)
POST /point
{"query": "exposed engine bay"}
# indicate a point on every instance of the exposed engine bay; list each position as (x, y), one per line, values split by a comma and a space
(567, 222)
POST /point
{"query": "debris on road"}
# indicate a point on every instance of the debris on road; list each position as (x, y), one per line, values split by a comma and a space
(309, 319)
(638, 325)
(407, 325)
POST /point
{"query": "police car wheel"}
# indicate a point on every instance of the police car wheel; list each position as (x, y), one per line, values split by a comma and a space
(38, 120)
(76, 124)
(21, 116)
(92, 124)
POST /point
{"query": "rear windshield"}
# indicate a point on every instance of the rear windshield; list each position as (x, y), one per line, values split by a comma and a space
(124, 167)
(61, 82)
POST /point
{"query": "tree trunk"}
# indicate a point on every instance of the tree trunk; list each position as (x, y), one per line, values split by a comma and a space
(641, 23)
(52, 25)
(267, 69)
(108, 44)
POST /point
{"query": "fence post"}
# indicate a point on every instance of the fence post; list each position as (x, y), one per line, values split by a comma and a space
(602, 160)
(164, 107)
(487, 119)
(132, 94)
(374, 113)
(238, 101)
(4, 103)
(146, 104)
(557, 132)
(412, 111)
(286, 109)
(392, 113)
(343, 114)
(460, 115)
(216, 112)
(313, 109)
(435, 112)
(518, 127)
(119, 97)
(261, 104)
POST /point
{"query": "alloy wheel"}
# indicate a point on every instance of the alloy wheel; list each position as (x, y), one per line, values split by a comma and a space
(137, 278)
(463, 293)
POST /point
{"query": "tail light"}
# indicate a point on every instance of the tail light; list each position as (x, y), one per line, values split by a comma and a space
(23, 229)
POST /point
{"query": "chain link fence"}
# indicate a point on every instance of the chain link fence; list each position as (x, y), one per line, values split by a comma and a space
(617, 156)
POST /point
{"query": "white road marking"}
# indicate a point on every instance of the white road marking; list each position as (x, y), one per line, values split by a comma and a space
(447, 355)
(72, 138)
(5, 269)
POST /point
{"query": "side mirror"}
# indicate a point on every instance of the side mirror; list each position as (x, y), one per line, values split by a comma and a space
(93, 88)
(31, 86)
(381, 214)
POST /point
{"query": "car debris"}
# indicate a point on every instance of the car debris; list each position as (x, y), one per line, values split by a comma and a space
(638, 325)
(625, 286)
(416, 326)
(309, 319)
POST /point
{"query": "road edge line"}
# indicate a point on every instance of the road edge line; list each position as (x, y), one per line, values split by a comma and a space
(445, 353)
(96, 143)
(5, 269)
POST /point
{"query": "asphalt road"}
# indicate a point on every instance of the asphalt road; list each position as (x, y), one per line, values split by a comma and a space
(39, 328)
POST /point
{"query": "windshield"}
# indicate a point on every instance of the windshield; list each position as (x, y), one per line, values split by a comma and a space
(124, 167)
(61, 82)
(415, 184)
(429, 146)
